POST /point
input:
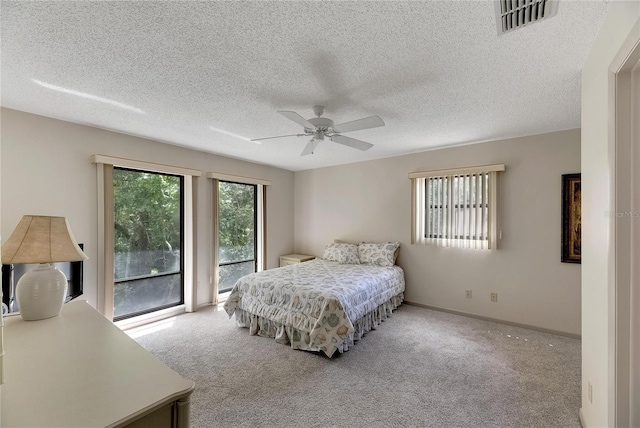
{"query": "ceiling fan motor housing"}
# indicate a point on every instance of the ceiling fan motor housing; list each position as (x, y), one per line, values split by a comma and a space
(321, 123)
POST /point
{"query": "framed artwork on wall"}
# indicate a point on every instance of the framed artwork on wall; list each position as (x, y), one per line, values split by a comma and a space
(571, 218)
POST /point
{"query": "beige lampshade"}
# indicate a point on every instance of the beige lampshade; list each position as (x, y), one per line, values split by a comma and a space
(41, 239)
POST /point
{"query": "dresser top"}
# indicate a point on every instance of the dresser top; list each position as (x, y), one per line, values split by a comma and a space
(79, 370)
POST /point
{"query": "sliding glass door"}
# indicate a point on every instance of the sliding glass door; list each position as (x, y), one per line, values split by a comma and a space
(148, 254)
(237, 232)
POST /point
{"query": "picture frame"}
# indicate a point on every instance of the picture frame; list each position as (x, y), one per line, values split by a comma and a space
(571, 218)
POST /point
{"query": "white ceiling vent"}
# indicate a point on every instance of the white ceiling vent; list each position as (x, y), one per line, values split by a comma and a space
(513, 14)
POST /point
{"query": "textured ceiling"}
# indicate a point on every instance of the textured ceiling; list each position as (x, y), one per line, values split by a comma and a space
(212, 75)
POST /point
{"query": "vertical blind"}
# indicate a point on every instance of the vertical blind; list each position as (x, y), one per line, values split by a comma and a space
(455, 208)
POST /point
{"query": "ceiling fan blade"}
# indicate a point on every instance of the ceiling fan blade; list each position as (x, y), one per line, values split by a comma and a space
(310, 147)
(292, 115)
(356, 125)
(279, 136)
(351, 142)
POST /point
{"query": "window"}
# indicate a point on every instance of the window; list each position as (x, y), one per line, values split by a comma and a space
(146, 229)
(239, 232)
(456, 207)
(148, 249)
(236, 232)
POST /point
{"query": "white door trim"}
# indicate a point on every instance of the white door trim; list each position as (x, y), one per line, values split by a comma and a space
(624, 109)
(635, 291)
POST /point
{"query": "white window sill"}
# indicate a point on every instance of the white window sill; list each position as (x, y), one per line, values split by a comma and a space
(150, 317)
(222, 297)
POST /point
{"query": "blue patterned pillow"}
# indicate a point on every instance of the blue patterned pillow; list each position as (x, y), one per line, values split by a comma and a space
(341, 253)
(381, 254)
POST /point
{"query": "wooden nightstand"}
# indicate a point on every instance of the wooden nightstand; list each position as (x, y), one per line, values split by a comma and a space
(291, 259)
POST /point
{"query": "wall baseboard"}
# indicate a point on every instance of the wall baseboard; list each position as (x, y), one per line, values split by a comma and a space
(581, 417)
(481, 317)
(203, 305)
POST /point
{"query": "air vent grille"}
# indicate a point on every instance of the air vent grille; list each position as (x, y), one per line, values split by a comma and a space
(513, 14)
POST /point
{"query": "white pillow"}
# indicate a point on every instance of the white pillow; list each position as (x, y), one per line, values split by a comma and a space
(381, 254)
(342, 253)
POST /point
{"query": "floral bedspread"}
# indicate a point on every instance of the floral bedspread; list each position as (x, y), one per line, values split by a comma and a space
(317, 305)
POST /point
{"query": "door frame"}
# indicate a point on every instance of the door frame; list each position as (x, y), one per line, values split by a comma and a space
(624, 108)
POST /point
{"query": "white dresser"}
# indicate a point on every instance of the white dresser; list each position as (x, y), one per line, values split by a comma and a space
(80, 370)
(291, 259)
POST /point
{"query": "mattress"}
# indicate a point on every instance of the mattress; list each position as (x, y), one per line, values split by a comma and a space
(318, 305)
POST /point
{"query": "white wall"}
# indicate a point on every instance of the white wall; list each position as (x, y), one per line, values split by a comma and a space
(46, 170)
(598, 298)
(371, 201)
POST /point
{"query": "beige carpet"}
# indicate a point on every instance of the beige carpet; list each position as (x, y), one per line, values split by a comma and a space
(421, 368)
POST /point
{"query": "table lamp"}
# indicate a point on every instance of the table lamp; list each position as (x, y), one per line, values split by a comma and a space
(44, 240)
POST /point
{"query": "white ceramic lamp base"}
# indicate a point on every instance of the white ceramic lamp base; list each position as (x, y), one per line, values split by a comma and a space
(41, 292)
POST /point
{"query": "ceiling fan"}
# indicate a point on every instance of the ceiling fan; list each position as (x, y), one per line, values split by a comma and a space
(319, 127)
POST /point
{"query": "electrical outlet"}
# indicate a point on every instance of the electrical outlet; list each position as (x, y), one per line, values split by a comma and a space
(590, 392)
(494, 297)
(468, 294)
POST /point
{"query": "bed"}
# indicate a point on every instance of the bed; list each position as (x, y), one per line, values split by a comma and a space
(320, 305)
